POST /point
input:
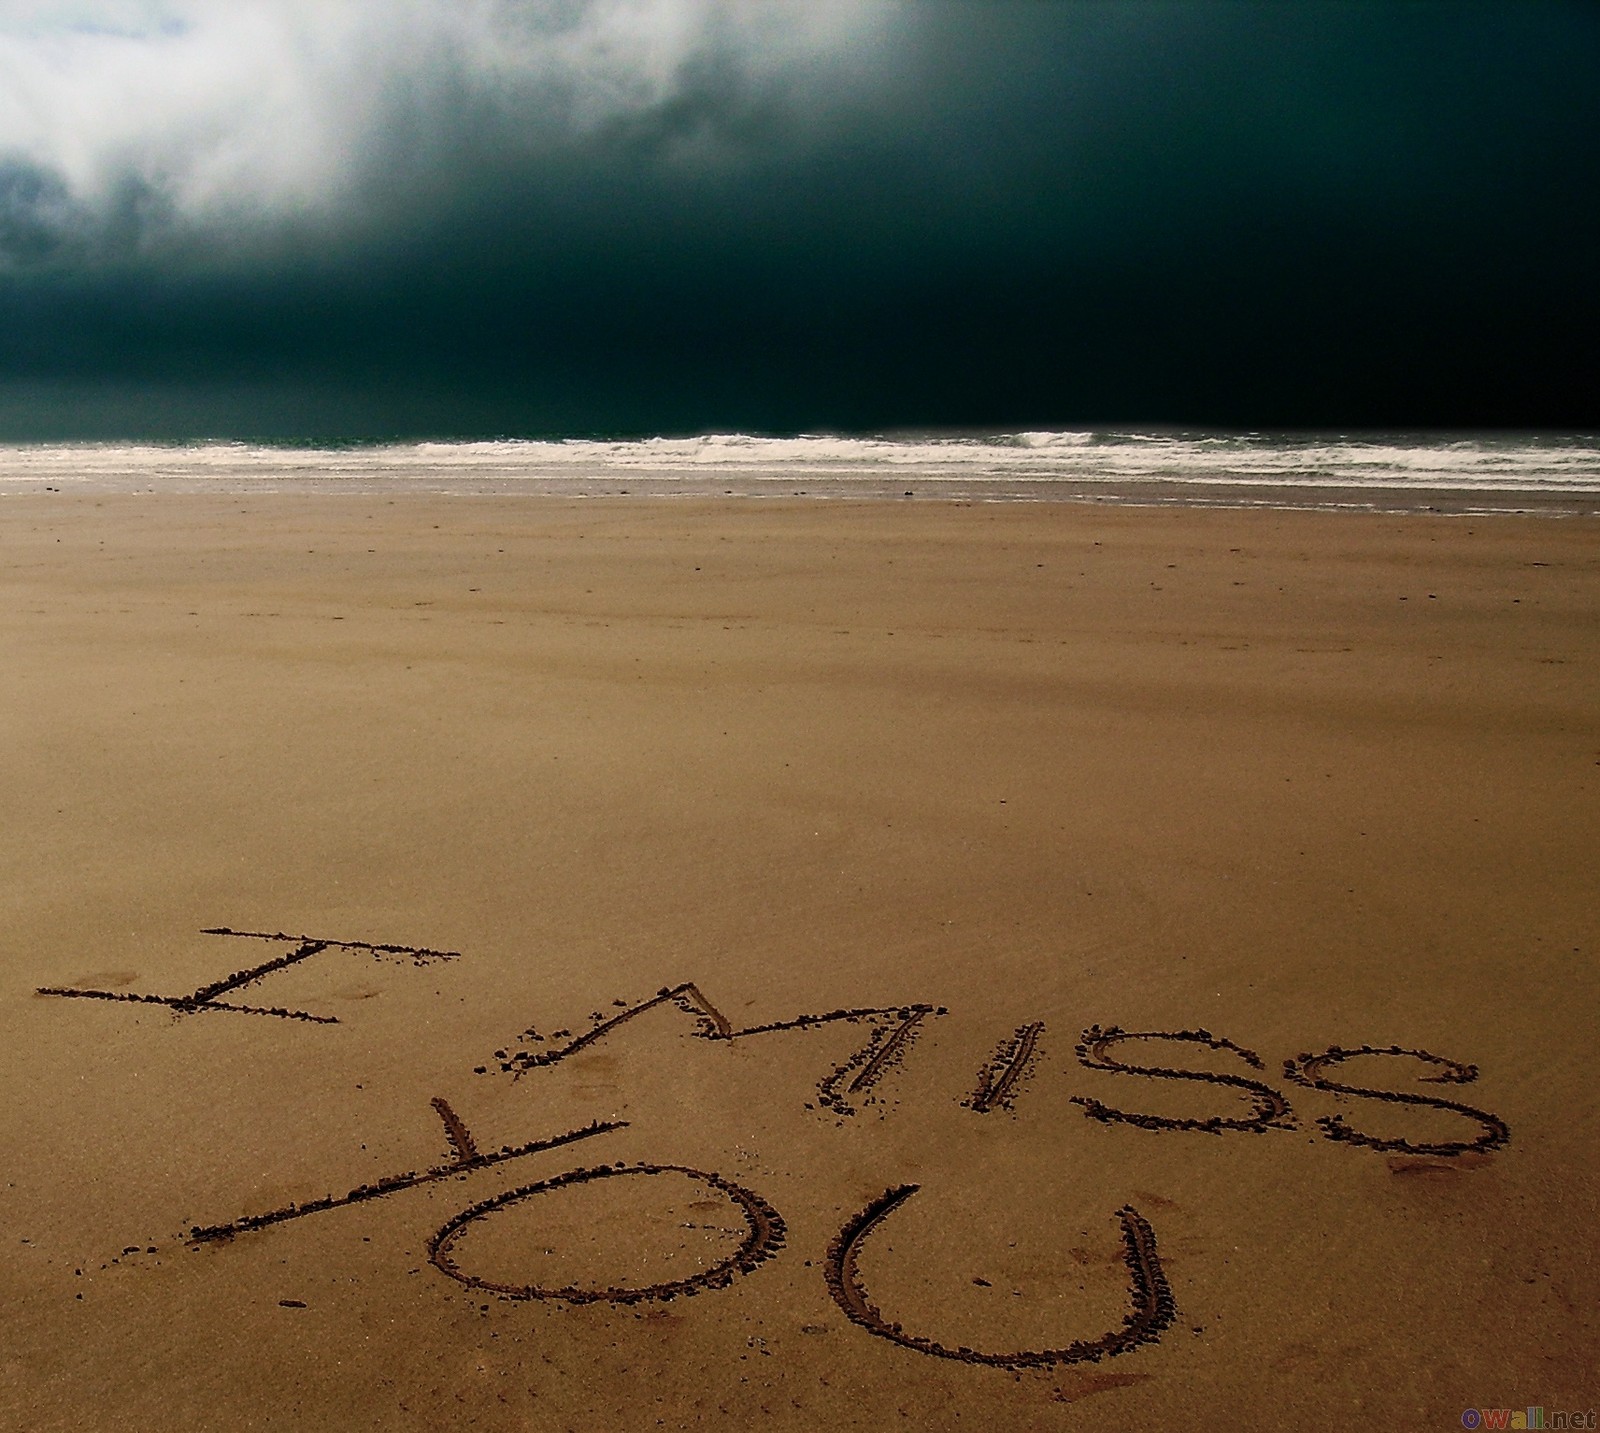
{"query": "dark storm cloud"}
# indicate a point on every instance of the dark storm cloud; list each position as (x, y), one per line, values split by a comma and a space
(502, 217)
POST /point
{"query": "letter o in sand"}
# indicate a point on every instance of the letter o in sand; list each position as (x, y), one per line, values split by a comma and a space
(764, 1233)
(1470, 1418)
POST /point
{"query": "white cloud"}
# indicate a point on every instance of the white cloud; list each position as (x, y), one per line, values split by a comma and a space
(210, 113)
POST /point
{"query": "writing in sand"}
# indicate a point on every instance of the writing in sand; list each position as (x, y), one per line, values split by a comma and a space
(1254, 1106)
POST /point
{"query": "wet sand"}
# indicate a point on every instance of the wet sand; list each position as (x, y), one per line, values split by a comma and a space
(540, 963)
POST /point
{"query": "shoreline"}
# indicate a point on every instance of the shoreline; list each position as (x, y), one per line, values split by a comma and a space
(1210, 496)
(1558, 474)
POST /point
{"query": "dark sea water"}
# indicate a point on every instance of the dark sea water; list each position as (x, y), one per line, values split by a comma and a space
(1549, 473)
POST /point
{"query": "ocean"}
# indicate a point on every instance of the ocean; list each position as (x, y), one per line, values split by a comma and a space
(1554, 474)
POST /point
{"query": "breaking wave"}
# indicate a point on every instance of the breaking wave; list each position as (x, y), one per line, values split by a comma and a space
(1132, 466)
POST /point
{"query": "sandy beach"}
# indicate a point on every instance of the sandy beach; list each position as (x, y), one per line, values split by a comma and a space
(545, 964)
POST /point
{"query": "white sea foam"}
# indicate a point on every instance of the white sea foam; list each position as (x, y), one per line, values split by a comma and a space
(1112, 466)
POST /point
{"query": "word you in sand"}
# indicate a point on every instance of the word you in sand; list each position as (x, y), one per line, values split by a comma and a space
(844, 1089)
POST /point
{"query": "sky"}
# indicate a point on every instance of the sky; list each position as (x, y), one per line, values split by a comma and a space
(317, 219)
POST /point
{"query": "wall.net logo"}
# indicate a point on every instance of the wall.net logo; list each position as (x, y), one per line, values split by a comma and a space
(1526, 1418)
